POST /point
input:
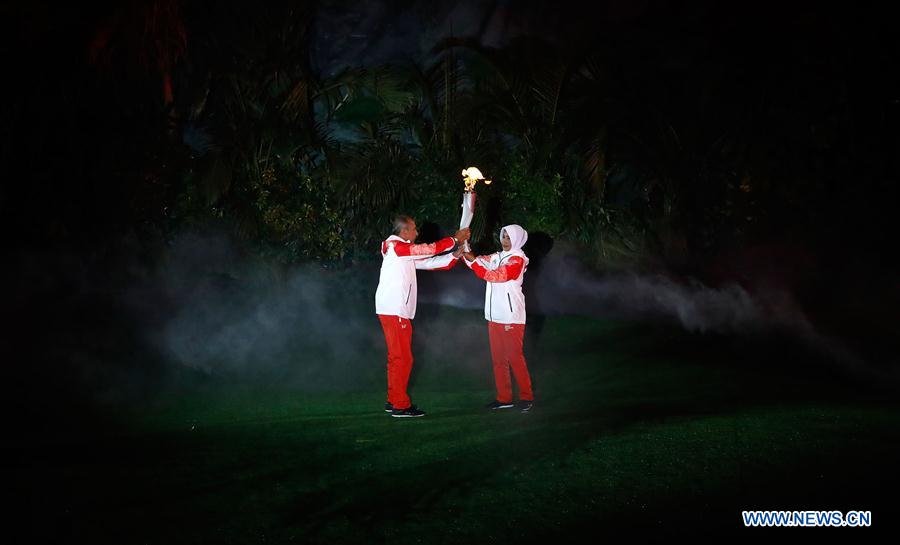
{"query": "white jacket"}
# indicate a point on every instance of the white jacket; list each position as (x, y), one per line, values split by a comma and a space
(504, 302)
(396, 294)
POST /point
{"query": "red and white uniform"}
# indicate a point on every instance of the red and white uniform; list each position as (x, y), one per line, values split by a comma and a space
(504, 309)
(396, 293)
(395, 303)
(504, 302)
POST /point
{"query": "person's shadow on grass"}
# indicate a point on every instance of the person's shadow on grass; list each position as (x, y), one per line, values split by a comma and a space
(536, 248)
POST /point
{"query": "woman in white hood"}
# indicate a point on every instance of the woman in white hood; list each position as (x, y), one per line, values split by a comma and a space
(504, 310)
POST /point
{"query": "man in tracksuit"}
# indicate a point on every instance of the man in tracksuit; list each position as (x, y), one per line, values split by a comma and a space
(395, 301)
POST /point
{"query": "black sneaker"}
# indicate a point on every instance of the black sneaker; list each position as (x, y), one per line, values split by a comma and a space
(388, 407)
(409, 412)
(494, 405)
(525, 406)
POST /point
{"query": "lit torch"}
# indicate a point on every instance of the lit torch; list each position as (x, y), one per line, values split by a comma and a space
(471, 176)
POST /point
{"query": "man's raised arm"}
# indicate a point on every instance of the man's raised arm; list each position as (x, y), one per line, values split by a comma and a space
(408, 250)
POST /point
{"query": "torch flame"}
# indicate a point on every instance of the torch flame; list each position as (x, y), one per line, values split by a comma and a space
(471, 176)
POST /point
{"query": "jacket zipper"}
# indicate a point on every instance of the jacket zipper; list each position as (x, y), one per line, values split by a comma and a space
(408, 292)
(510, 302)
(491, 305)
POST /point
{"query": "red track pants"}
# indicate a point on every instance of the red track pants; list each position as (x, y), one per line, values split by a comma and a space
(398, 336)
(506, 351)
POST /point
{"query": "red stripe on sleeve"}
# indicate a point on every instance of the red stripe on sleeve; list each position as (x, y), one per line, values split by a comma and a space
(510, 271)
(405, 249)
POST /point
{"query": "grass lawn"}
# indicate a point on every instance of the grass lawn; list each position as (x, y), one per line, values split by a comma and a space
(637, 428)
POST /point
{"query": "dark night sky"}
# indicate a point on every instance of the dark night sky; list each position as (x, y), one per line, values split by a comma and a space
(381, 32)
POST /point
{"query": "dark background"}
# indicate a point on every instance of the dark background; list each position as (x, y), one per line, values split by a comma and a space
(163, 155)
(751, 142)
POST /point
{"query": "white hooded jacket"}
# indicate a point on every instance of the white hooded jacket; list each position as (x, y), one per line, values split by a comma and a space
(397, 292)
(504, 302)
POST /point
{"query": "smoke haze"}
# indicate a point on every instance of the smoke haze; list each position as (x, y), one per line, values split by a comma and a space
(315, 328)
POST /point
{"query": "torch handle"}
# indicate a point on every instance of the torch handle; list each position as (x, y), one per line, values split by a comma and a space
(468, 212)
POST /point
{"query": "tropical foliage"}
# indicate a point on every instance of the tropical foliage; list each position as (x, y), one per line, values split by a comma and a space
(625, 149)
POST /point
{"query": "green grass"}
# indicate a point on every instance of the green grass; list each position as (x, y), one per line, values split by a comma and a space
(637, 428)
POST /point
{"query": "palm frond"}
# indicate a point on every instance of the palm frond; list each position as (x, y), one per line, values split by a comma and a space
(296, 106)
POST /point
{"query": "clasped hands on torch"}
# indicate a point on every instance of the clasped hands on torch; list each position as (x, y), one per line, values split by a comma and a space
(461, 236)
